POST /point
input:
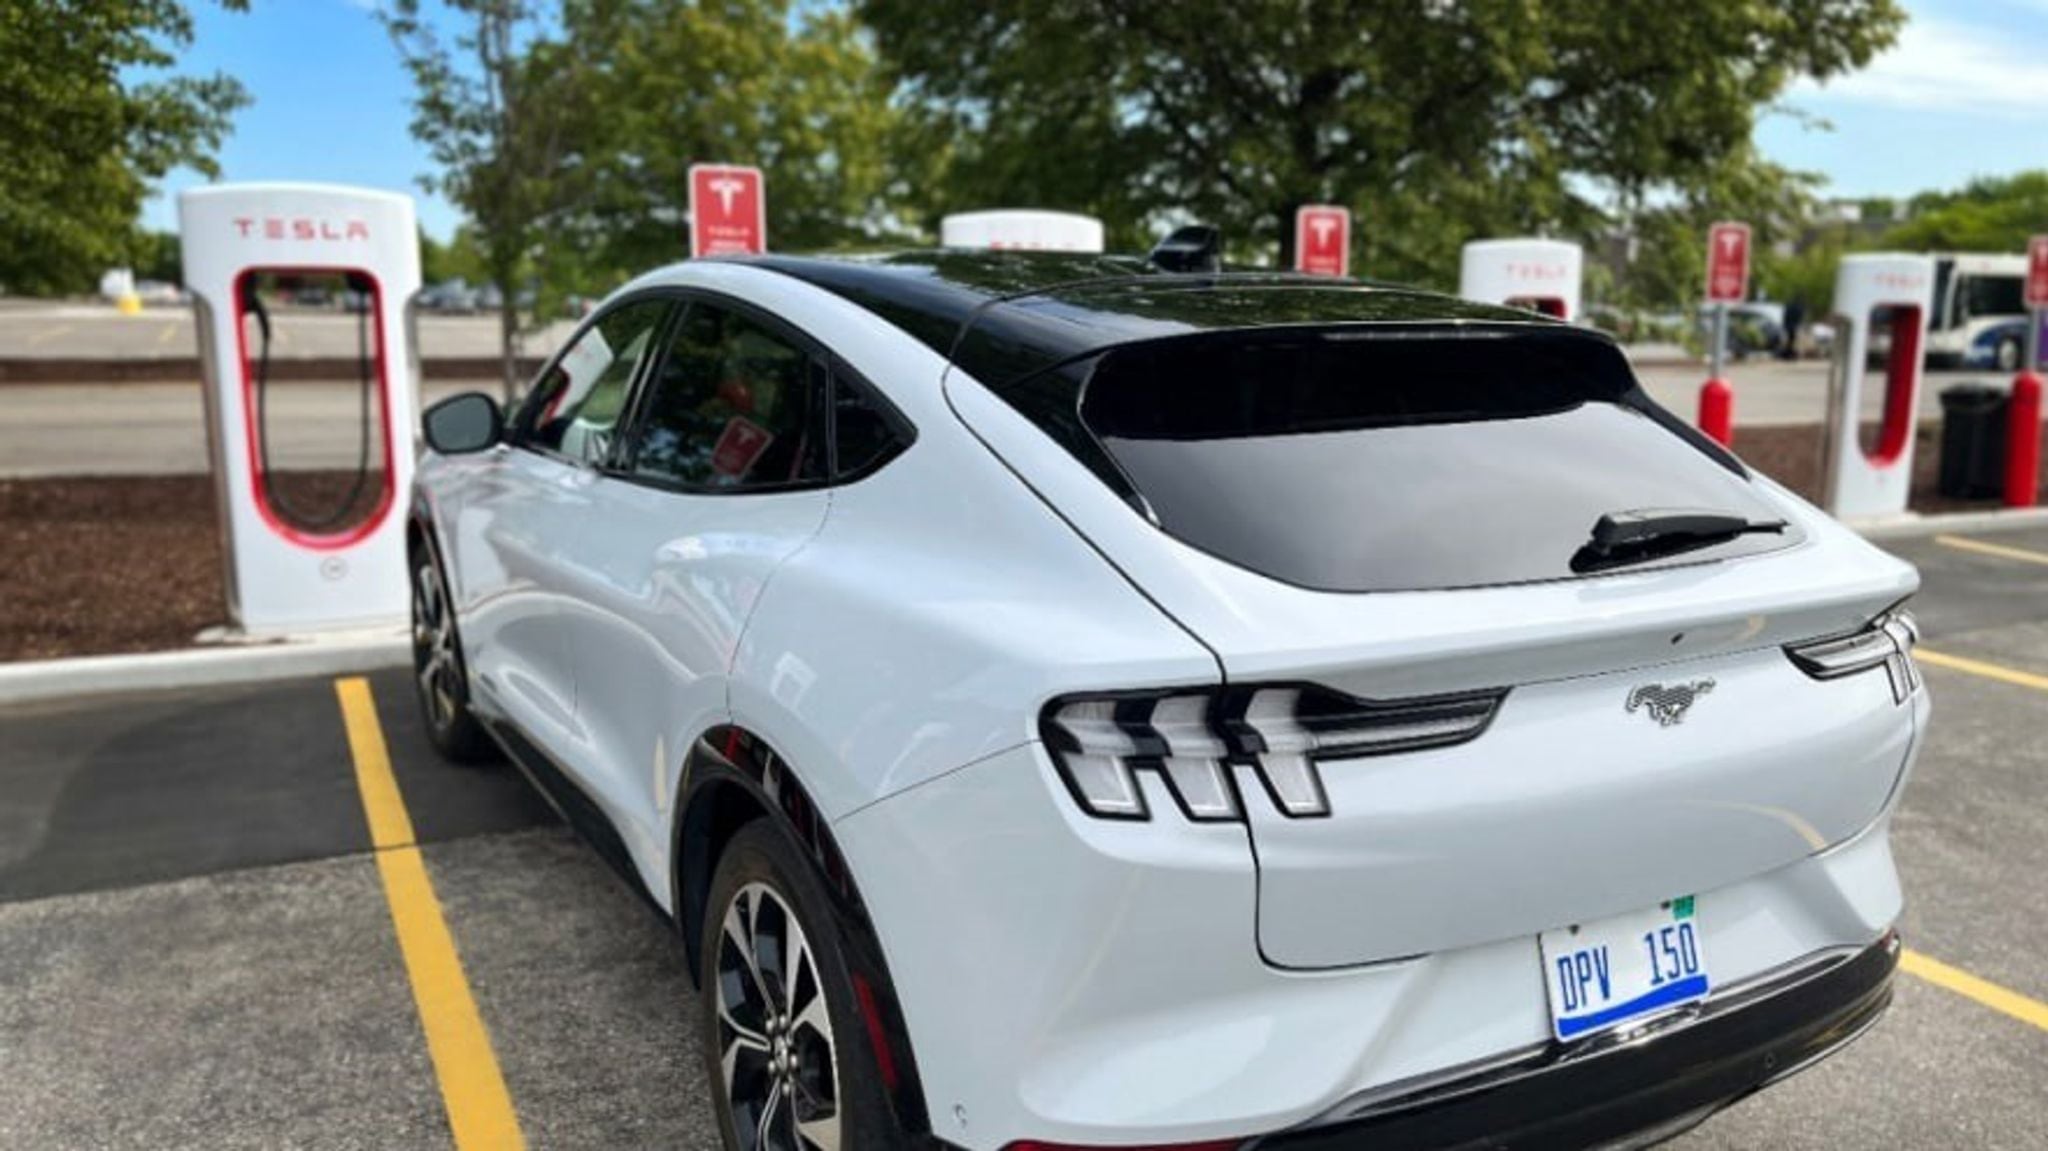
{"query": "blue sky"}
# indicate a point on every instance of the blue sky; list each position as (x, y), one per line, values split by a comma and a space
(1953, 100)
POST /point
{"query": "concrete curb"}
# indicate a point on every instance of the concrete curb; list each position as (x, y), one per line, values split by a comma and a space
(1913, 526)
(94, 675)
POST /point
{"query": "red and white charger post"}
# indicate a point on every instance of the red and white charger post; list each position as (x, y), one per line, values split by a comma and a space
(1727, 283)
(248, 250)
(2023, 413)
(1876, 294)
(1544, 276)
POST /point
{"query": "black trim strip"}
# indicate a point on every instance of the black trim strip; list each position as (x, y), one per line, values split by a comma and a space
(1605, 1090)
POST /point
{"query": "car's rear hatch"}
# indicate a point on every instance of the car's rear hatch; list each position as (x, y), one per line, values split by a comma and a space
(1398, 511)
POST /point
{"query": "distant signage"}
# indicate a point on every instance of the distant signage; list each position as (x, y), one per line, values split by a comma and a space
(728, 210)
(1728, 263)
(738, 446)
(2037, 272)
(1322, 240)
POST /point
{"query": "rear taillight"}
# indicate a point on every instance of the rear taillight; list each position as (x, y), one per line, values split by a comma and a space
(1885, 642)
(1193, 739)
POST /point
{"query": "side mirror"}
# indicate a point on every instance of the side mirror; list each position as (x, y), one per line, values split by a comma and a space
(465, 423)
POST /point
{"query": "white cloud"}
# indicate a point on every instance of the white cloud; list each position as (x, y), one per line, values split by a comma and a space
(1942, 65)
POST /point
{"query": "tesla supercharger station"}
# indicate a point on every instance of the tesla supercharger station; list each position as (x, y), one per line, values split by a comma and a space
(1021, 229)
(1541, 275)
(301, 559)
(1876, 295)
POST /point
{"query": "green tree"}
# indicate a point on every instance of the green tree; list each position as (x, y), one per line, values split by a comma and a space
(83, 133)
(498, 105)
(793, 90)
(1994, 214)
(1433, 121)
(459, 259)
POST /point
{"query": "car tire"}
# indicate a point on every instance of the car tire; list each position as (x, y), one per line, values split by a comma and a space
(2009, 354)
(440, 676)
(783, 1041)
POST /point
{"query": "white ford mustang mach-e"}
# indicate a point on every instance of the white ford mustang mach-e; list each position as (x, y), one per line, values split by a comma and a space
(1066, 703)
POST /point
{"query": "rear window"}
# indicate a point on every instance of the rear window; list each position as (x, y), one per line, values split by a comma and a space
(1388, 459)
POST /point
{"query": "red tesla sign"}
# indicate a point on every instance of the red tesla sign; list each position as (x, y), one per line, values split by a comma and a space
(1322, 240)
(1728, 263)
(728, 210)
(2037, 272)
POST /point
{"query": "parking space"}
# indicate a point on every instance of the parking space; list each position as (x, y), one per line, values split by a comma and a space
(269, 917)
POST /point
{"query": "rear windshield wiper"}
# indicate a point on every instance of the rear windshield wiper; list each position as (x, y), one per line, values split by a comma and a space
(1641, 534)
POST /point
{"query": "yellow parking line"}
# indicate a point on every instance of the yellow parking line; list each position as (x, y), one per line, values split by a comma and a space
(48, 334)
(164, 337)
(1968, 986)
(2002, 551)
(472, 1089)
(1980, 668)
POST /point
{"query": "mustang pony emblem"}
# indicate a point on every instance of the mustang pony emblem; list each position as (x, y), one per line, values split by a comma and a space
(1667, 705)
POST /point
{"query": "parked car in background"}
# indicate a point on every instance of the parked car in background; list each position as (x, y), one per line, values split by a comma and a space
(158, 293)
(1063, 702)
(1756, 328)
(451, 296)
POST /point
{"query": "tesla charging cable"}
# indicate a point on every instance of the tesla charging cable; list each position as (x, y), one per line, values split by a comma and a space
(252, 304)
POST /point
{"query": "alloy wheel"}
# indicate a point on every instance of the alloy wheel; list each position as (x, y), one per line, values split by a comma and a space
(776, 1052)
(433, 644)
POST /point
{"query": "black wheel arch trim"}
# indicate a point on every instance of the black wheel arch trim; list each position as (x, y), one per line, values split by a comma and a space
(727, 761)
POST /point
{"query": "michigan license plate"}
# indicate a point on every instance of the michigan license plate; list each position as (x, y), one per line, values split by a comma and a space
(1609, 973)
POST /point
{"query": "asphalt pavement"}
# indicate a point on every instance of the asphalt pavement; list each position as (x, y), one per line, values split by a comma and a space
(254, 917)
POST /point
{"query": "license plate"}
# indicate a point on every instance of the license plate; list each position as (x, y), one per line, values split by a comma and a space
(1609, 973)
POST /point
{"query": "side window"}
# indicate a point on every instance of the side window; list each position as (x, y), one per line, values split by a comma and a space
(576, 405)
(864, 436)
(733, 405)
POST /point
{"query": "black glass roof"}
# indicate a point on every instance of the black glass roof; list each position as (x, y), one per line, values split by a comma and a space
(1005, 315)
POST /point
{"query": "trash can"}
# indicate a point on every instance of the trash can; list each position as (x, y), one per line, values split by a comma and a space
(1972, 441)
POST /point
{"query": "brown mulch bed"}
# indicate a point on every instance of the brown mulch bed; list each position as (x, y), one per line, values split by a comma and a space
(99, 565)
(1791, 455)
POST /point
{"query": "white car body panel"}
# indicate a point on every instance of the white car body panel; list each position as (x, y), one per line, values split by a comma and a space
(507, 520)
(1077, 997)
(660, 587)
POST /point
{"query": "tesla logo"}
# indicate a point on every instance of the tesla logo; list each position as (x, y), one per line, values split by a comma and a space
(1322, 226)
(301, 228)
(727, 188)
(1536, 271)
(1667, 705)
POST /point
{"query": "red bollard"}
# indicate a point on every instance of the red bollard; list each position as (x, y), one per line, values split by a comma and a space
(2023, 441)
(1717, 411)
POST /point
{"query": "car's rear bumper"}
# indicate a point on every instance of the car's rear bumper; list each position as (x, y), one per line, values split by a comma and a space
(1095, 983)
(1628, 1092)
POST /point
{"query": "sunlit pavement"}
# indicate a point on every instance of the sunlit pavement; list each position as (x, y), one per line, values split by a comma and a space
(214, 933)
